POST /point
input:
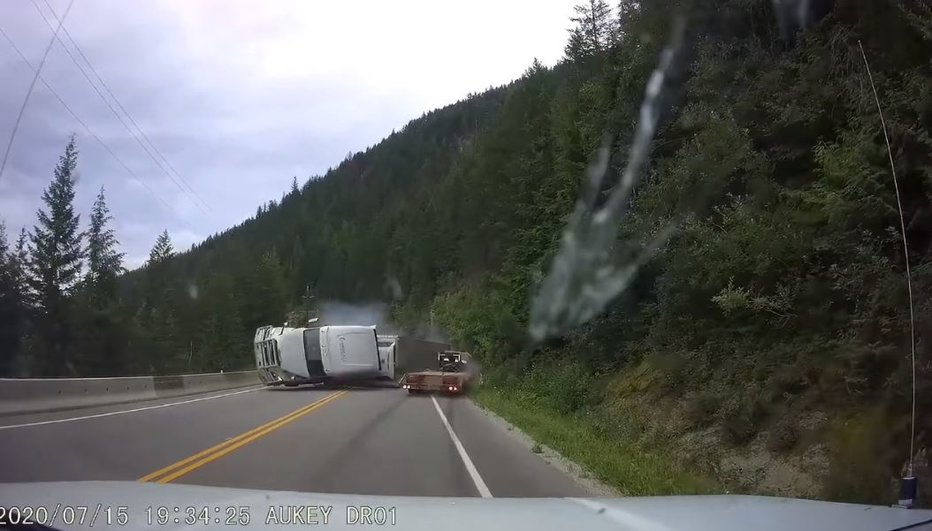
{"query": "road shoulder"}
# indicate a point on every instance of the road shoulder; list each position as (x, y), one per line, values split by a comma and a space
(554, 458)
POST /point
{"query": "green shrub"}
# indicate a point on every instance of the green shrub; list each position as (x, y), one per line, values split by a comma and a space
(740, 419)
(612, 422)
(788, 381)
(701, 410)
(673, 366)
(857, 471)
(565, 387)
(783, 435)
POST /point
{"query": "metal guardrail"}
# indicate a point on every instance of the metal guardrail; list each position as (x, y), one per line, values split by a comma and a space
(34, 395)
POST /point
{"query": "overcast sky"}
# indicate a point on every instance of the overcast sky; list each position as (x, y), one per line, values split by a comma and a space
(239, 96)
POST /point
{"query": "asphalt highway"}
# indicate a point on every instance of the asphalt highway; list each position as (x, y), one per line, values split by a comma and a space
(347, 441)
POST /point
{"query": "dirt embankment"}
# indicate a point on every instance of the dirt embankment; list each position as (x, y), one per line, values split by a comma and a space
(798, 451)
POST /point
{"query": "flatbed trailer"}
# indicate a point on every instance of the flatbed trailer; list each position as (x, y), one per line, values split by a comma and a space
(451, 379)
(435, 381)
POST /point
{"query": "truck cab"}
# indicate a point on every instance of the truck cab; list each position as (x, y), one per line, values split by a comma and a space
(388, 351)
(451, 361)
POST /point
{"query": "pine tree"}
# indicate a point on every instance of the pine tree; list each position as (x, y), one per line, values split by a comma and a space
(294, 185)
(55, 265)
(536, 68)
(56, 243)
(263, 292)
(21, 253)
(104, 261)
(162, 250)
(576, 48)
(596, 30)
(21, 272)
(296, 265)
(157, 318)
(101, 327)
(12, 303)
(626, 10)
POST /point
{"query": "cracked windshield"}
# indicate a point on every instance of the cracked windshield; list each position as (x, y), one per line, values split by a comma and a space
(573, 264)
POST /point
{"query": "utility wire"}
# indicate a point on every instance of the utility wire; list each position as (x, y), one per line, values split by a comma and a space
(115, 113)
(122, 108)
(32, 84)
(80, 121)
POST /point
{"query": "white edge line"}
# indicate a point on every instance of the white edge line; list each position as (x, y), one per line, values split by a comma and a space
(125, 411)
(470, 467)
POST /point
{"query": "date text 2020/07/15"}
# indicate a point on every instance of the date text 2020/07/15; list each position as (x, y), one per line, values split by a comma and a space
(63, 514)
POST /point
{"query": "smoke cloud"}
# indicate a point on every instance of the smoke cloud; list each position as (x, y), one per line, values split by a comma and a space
(341, 313)
(333, 312)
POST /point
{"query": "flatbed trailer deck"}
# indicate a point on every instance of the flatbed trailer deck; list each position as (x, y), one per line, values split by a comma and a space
(452, 377)
(434, 381)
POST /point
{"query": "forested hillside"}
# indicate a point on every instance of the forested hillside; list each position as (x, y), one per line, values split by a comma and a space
(772, 327)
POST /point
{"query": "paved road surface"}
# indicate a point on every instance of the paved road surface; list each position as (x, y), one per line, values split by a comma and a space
(358, 441)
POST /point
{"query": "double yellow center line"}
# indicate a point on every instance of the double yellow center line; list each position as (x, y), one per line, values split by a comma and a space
(176, 470)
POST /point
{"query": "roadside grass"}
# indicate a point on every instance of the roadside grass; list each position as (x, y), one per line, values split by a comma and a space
(624, 465)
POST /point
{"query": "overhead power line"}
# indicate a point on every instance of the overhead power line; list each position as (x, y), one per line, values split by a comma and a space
(32, 85)
(178, 181)
(121, 107)
(80, 121)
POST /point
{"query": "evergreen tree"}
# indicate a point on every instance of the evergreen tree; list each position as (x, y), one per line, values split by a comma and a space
(21, 254)
(100, 335)
(264, 294)
(626, 10)
(12, 303)
(162, 250)
(162, 347)
(294, 185)
(595, 31)
(56, 242)
(104, 261)
(55, 265)
(21, 277)
(576, 48)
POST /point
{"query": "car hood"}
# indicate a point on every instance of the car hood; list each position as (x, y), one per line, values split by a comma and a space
(674, 513)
